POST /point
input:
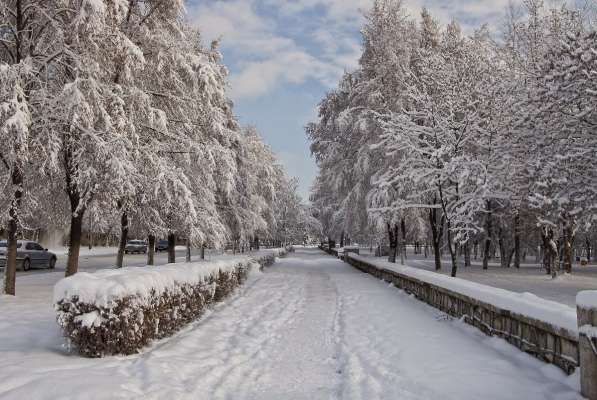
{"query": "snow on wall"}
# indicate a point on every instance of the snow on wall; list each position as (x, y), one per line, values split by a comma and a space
(551, 312)
(543, 329)
(587, 299)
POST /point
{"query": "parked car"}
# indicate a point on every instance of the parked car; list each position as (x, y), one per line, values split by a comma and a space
(161, 245)
(135, 246)
(29, 255)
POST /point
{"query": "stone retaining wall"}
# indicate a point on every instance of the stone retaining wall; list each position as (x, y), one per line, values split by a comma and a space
(545, 341)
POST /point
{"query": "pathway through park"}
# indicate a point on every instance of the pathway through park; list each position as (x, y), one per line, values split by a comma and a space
(310, 327)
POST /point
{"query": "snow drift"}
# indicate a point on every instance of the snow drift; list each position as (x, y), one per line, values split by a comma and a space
(120, 311)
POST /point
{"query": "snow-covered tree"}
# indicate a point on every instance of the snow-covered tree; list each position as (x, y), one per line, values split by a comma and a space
(27, 52)
(482, 139)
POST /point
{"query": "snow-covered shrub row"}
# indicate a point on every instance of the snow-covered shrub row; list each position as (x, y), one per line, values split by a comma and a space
(120, 311)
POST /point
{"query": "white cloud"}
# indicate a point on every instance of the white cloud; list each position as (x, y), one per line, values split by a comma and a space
(293, 66)
(268, 53)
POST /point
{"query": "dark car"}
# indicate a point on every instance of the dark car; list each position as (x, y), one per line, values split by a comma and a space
(161, 245)
(29, 254)
(135, 246)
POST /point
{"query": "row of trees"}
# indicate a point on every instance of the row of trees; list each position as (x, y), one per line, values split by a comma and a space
(457, 140)
(115, 112)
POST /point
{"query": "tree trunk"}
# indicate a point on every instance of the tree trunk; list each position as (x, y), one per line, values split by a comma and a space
(342, 239)
(74, 245)
(89, 233)
(546, 254)
(488, 227)
(124, 236)
(506, 250)
(403, 247)
(171, 248)
(517, 240)
(568, 240)
(550, 252)
(452, 251)
(257, 246)
(188, 257)
(476, 249)
(10, 270)
(503, 250)
(203, 251)
(393, 239)
(588, 246)
(467, 254)
(151, 250)
(436, 237)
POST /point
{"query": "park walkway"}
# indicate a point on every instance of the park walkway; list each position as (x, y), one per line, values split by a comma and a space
(310, 327)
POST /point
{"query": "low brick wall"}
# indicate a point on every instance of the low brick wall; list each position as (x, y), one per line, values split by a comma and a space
(546, 342)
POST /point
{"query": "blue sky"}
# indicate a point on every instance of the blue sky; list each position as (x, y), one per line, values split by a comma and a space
(283, 55)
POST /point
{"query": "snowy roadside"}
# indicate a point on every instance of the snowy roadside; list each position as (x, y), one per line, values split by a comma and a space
(96, 251)
(29, 334)
(554, 313)
(528, 279)
(86, 252)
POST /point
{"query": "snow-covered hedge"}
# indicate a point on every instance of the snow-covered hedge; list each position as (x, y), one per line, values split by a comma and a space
(121, 311)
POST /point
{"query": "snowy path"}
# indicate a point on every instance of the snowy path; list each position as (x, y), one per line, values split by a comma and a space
(311, 328)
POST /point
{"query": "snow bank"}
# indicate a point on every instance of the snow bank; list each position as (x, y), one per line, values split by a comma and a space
(105, 287)
(85, 252)
(587, 299)
(348, 249)
(527, 304)
(545, 329)
(121, 311)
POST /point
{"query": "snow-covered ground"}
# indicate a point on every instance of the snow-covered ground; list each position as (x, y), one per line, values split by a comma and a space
(95, 251)
(310, 327)
(528, 279)
(86, 252)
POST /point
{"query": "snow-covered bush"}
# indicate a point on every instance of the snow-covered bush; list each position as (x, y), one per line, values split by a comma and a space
(121, 311)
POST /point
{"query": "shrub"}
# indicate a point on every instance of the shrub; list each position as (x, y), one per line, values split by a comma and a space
(121, 311)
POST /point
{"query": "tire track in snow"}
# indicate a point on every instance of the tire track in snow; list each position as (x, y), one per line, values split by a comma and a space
(221, 345)
(299, 362)
(362, 377)
(243, 372)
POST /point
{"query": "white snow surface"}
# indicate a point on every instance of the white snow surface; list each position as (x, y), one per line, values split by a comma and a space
(86, 252)
(105, 286)
(310, 327)
(528, 304)
(589, 331)
(96, 251)
(587, 299)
